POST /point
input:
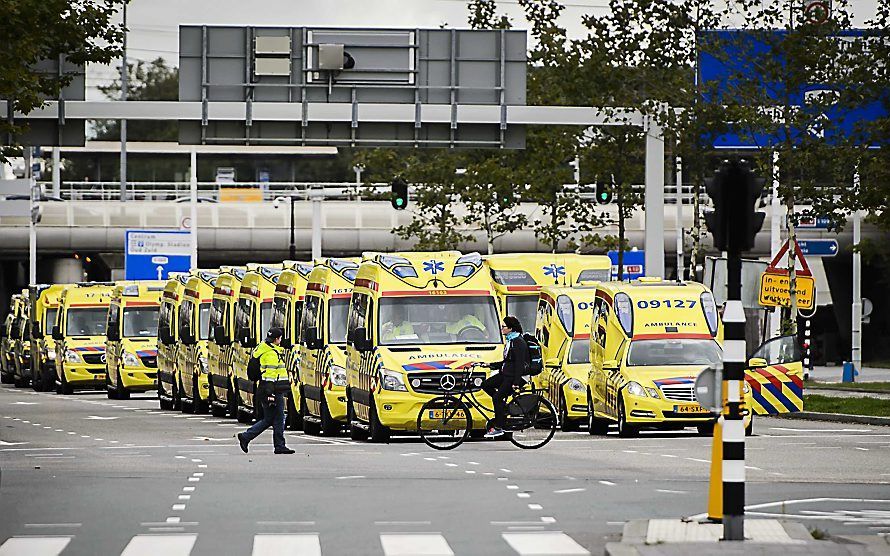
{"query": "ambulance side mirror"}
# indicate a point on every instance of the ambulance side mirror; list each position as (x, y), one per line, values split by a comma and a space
(610, 365)
(36, 332)
(757, 362)
(360, 340)
(312, 341)
(164, 334)
(57, 333)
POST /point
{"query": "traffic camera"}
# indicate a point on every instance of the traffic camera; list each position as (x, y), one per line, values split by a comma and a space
(734, 222)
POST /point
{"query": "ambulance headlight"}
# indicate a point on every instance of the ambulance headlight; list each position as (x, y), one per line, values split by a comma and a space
(575, 384)
(72, 356)
(393, 381)
(635, 389)
(338, 375)
(709, 308)
(130, 360)
(653, 392)
(625, 312)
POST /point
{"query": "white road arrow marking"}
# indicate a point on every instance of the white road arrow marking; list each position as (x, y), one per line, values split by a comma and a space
(98, 418)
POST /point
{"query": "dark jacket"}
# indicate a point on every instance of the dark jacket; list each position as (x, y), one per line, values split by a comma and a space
(516, 360)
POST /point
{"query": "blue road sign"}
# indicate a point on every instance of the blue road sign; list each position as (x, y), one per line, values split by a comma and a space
(634, 264)
(727, 54)
(818, 247)
(819, 222)
(153, 255)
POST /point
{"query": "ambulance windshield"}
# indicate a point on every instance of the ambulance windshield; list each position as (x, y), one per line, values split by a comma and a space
(524, 308)
(435, 320)
(673, 351)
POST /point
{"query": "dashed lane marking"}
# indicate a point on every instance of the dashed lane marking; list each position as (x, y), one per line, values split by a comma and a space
(306, 544)
(34, 546)
(607, 483)
(411, 544)
(569, 490)
(151, 545)
(535, 507)
(545, 542)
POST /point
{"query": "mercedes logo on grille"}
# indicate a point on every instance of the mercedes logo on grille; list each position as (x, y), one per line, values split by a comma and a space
(102, 358)
(447, 382)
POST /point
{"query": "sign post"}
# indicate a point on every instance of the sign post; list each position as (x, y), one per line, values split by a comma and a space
(775, 290)
(153, 255)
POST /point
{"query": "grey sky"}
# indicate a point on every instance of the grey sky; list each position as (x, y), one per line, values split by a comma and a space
(154, 24)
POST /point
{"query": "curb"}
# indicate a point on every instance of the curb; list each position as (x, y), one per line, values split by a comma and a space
(835, 418)
(818, 390)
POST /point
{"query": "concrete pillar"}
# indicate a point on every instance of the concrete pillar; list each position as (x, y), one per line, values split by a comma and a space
(67, 271)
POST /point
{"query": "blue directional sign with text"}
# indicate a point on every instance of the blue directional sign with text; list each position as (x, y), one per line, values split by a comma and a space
(153, 254)
(818, 247)
(634, 264)
(818, 222)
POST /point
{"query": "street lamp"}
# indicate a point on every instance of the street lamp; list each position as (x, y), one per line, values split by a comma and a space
(293, 244)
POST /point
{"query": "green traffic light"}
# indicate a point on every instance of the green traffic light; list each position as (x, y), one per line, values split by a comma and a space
(400, 201)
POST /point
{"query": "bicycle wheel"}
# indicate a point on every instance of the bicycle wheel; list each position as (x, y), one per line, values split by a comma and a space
(532, 419)
(444, 422)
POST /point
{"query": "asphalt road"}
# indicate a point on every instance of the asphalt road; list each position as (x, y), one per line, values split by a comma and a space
(82, 474)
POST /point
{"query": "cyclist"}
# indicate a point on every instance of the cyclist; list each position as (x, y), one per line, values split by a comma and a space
(510, 373)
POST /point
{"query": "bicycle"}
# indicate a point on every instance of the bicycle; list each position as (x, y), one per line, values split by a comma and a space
(444, 422)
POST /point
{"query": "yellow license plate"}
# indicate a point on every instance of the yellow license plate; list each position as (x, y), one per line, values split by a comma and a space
(695, 409)
(440, 414)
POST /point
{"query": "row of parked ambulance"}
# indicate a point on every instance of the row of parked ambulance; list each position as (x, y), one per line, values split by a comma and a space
(368, 340)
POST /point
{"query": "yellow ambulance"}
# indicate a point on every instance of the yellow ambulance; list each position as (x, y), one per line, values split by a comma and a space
(415, 319)
(287, 312)
(775, 376)
(192, 368)
(518, 277)
(21, 344)
(649, 341)
(322, 355)
(563, 330)
(6, 363)
(253, 317)
(43, 347)
(79, 332)
(220, 348)
(131, 347)
(168, 339)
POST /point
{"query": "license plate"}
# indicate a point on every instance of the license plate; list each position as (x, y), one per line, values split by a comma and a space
(440, 414)
(694, 409)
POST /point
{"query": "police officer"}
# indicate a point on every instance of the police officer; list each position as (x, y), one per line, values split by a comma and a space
(272, 391)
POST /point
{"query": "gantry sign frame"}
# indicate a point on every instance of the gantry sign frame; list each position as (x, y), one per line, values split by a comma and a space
(477, 113)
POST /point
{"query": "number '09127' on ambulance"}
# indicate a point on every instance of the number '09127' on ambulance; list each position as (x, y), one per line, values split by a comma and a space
(649, 341)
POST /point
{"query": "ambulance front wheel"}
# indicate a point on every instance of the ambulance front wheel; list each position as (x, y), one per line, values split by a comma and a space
(625, 429)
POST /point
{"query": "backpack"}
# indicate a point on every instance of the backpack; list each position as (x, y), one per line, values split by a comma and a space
(254, 372)
(535, 355)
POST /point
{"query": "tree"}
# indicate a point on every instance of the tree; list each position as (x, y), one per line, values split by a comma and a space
(35, 31)
(492, 194)
(154, 80)
(434, 223)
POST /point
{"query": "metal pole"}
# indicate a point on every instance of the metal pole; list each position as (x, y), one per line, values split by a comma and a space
(856, 332)
(194, 208)
(57, 172)
(733, 430)
(315, 196)
(293, 242)
(124, 85)
(807, 349)
(654, 206)
(32, 229)
(775, 238)
(679, 230)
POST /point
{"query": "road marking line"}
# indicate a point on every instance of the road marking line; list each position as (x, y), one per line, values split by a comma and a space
(202, 466)
(276, 523)
(196, 461)
(422, 544)
(401, 523)
(698, 460)
(548, 542)
(666, 491)
(669, 456)
(185, 496)
(535, 507)
(523, 495)
(607, 483)
(194, 479)
(470, 472)
(178, 507)
(506, 470)
(52, 525)
(547, 519)
(306, 544)
(430, 459)
(34, 546)
(174, 519)
(451, 464)
(179, 457)
(169, 545)
(59, 430)
(197, 474)
(859, 448)
(569, 490)
(188, 489)
(513, 487)
(502, 478)
(351, 477)
(629, 451)
(473, 462)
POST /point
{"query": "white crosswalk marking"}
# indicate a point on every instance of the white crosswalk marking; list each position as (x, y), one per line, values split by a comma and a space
(291, 545)
(420, 544)
(34, 546)
(544, 543)
(168, 545)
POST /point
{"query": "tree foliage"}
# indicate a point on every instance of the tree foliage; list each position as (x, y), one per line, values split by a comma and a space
(35, 31)
(153, 80)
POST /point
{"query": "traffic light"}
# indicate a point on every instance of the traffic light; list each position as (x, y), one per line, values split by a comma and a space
(399, 195)
(734, 222)
(603, 193)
